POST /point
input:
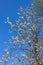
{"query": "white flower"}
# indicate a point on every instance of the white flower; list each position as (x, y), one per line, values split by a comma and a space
(17, 39)
(24, 55)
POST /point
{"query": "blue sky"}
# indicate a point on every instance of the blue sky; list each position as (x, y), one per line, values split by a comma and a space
(8, 8)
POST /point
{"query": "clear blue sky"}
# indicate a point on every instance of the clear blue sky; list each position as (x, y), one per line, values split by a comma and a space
(8, 8)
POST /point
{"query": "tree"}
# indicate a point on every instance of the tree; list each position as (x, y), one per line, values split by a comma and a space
(25, 45)
(39, 3)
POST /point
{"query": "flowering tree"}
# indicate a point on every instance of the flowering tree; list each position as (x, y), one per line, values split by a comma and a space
(39, 3)
(25, 46)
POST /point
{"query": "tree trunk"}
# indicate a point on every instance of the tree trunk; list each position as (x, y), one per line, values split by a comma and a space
(35, 50)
